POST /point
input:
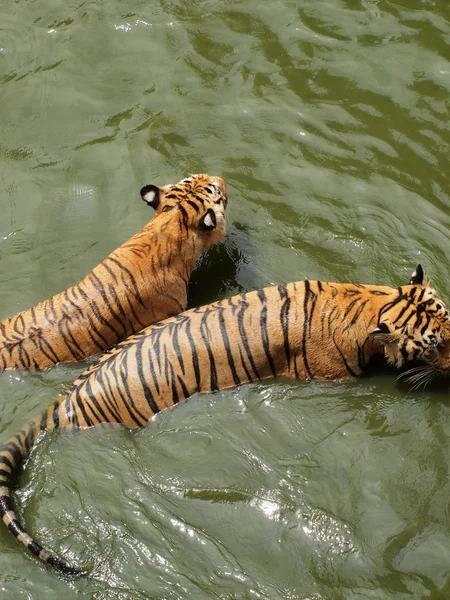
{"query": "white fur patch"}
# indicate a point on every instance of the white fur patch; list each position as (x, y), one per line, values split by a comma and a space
(150, 196)
(208, 221)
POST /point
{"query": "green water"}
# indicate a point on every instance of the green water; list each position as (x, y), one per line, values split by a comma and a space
(329, 121)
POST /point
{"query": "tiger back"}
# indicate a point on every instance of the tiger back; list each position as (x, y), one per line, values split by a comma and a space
(301, 330)
(141, 282)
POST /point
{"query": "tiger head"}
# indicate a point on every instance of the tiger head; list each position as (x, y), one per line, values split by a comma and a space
(416, 326)
(201, 201)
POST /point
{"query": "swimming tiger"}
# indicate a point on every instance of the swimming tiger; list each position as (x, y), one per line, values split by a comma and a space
(303, 330)
(141, 282)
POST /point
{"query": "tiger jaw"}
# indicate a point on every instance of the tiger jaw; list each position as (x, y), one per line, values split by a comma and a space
(435, 355)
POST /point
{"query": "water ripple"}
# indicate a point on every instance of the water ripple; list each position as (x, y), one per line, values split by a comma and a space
(330, 123)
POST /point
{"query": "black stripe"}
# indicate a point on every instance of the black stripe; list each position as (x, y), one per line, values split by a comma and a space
(132, 280)
(109, 398)
(92, 327)
(68, 339)
(110, 271)
(391, 304)
(55, 415)
(243, 334)
(101, 289)
(156, 343)
(330, 318)
(34, 548)
(93, 305)
(5, 504)
(118, 389)
(349, 308)
(51, 301)
(186, 392)
(152, 367)
(46, 315)
(305, 325)
(408, 318)
(94, 403)
(72, 303)
(402, 312)
(42, 341)
(176, 346)
(264, 331)
(247, 372)
(146, 389)
(226, 343)
(194, 205)
(427, 322)
(166, 365)
(194, 354)
(347, 366)
(123, 370)
(115, 297)
(199, 198)
(184, 215)
(80, 405)
(175, 397)
(29, 440)
(19, 320)
(204, 331)
(284, 320)
(350, 292)
(356, 315)
(5, 461)
(313, 296)
(323, 317)
(15, 527)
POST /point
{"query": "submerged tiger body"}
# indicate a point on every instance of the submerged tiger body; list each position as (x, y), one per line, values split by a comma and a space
(141, 282)
(303, 330)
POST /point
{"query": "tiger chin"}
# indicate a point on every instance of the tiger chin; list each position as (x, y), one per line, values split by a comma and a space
(309, 330)
(141, 282)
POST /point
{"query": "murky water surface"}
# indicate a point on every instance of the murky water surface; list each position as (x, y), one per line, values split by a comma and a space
(329, 120)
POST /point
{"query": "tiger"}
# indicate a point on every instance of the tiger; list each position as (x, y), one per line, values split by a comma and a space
(141, 282)
(307, 330)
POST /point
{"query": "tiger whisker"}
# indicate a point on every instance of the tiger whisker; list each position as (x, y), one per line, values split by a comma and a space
(421, 377)
(417, 369)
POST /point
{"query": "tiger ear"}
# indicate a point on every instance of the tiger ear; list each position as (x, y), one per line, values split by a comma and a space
(208, 222)
(418, 277)
(150, 194)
